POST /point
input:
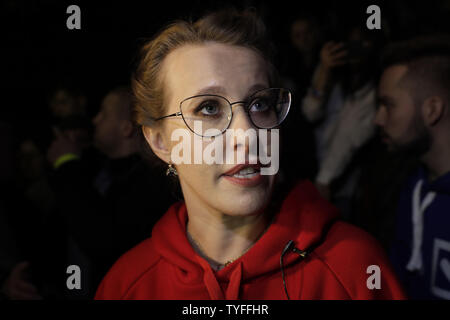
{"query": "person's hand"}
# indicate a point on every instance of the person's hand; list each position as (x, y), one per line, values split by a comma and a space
(324, 190)
(64, 143)
(17, 285)
(332, 55)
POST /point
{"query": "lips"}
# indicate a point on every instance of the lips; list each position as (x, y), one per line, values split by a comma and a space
(241, 167)
(245, 175)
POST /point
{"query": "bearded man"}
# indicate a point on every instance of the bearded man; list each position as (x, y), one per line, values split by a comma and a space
(414, 118)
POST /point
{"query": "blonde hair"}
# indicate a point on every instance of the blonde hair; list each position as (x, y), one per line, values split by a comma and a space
(231, 27)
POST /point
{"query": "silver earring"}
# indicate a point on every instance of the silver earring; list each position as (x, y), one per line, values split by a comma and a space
(171, 170)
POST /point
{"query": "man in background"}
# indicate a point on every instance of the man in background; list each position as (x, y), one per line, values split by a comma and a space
(414, 119)
(105, 212)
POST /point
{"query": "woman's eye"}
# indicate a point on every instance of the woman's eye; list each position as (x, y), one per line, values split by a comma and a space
(259, 105)
(208, 109)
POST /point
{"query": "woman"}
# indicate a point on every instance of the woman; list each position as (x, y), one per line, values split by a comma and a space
(229, 239)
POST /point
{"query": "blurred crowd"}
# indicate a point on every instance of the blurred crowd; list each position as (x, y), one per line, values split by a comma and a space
(84, 189)
(85, 200)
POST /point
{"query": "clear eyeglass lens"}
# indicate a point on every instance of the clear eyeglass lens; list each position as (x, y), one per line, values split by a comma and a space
(268, 108)
(206, 115)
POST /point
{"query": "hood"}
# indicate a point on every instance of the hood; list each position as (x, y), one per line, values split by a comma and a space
(304, 217)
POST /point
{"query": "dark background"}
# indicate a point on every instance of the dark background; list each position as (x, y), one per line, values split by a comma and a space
(39, 52)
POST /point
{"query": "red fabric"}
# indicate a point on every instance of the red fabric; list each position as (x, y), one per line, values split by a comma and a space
(167, 267)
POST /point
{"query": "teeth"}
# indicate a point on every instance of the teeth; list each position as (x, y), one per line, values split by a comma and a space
(247, 170)
(247, 173)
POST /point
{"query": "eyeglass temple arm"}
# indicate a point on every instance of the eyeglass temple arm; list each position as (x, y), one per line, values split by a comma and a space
(169, 115)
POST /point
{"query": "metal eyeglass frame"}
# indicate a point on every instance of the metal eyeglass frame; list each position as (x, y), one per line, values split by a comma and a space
(230, 117)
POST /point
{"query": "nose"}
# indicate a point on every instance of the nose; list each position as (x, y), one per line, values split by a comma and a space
(380, 117)
(240, 119)
(244, 132)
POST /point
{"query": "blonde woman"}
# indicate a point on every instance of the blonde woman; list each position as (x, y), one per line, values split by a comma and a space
(229, 238)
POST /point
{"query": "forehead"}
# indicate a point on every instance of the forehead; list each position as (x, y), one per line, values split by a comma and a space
(191, 68)
(391, 77)
(300, 25)
(110, 102)
(61, 95)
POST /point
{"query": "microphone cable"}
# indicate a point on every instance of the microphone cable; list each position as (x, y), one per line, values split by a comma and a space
(290, 246)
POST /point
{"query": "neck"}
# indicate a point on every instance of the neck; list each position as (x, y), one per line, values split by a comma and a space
(221, 237)
(437, 159)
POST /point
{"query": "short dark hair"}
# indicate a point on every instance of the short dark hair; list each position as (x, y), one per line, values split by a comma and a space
(125, 95)
(428, 61)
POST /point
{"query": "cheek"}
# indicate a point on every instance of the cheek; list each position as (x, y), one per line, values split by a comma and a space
(190, 154)
(200, 176)
(188, 148)
(400, 125)
(107, 129)
(394, 119)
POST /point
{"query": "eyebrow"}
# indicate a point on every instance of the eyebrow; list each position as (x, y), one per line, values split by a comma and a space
(384, 100)
(219, 90)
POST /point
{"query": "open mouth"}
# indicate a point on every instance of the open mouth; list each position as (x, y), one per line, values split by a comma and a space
(247, 173)
(245, 170)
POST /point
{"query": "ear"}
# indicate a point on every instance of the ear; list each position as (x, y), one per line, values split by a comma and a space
(433, 110)
(155, 140)
(126, 128)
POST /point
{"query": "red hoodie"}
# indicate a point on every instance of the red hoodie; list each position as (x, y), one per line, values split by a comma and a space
(166, 266)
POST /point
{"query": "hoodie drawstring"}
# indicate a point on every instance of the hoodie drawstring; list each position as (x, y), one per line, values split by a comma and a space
(235, 283)
(214, 290)
(415, 261)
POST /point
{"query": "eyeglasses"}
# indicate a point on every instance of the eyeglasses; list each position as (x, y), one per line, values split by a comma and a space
(266, 108)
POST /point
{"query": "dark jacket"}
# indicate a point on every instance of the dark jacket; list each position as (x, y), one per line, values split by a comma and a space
(107, 213)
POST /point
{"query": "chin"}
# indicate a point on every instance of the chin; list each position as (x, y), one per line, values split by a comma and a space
(246, 202)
